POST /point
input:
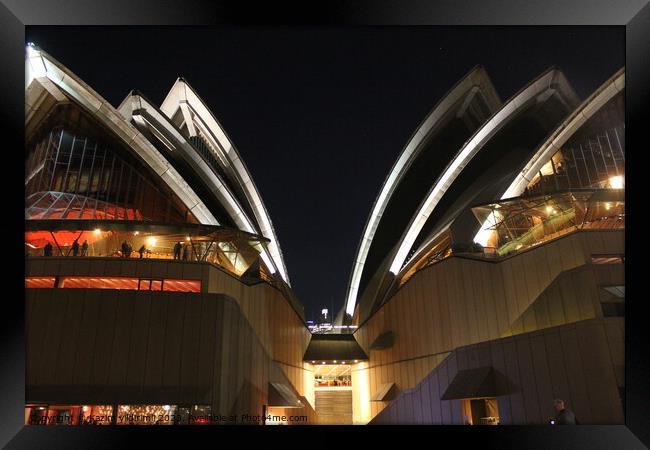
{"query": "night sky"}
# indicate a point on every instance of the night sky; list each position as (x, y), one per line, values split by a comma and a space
(319, 115)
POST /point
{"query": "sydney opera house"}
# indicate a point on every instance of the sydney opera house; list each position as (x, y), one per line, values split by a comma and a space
(488, 281)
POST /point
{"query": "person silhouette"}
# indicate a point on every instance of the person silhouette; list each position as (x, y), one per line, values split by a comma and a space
(564, 416)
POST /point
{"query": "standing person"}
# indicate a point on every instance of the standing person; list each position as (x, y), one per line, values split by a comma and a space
(177, 251)
(129, 249)
(142, 250)
(47, 250)
(564, 416)
(84, 248)
(75, 248)
(125, 249)
(186, 252)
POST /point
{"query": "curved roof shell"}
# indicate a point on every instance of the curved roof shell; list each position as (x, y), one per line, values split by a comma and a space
(608, 90)
(526, 120)
(587, 110)
(219, 191)
(503, 142)
(452, 120)
(190, 113)
(206, 178)
(478, 168)
(45, 77)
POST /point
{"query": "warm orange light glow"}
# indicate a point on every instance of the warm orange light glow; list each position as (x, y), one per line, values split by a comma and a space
(182, 285)
(171, 285)
(361, 412)
(39, 282)
(99, 283)
(102, 211)
(39, 239)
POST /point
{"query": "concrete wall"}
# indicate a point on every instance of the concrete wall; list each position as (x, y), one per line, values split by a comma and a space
(576, 362)
(461, 301)
(574, 295)
(226, 340)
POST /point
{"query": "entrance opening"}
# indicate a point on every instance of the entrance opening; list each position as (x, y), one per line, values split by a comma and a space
(480, 411)
(333, 393)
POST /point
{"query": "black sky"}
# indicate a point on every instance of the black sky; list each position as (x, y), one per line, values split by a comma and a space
(320, 114)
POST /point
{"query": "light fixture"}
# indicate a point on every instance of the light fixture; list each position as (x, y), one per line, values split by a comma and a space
(135, 233)
(342, 362)
(313, 362)
(32, 51)
(356, 360)
(97, 231)
(187, 238)
(608, 206)
(617, 182)
(166, 407)
(323, 362)
(549, 209)
(334, 361)
(151, 241)
(84, 408)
